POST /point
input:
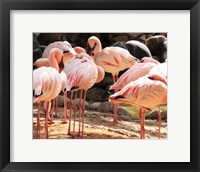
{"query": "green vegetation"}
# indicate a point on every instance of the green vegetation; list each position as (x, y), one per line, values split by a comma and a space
(135, 110)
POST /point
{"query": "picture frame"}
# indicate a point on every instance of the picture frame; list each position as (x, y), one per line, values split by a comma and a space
(8, 5)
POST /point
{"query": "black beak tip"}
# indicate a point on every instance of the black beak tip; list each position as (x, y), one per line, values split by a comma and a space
(119, 97)
(111, 92)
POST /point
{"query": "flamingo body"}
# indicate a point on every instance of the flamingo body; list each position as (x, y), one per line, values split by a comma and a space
(132, 74)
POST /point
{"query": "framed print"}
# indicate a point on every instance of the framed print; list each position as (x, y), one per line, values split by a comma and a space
(24, 147)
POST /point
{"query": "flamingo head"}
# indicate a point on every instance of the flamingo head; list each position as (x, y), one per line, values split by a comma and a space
(94, 46)
(68, 52)
(149, 59)
(79, 50)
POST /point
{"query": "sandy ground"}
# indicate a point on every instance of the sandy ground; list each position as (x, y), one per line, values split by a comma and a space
(96, 127)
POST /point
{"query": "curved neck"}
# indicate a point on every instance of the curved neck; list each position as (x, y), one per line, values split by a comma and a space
(95, 45)
(54, 59)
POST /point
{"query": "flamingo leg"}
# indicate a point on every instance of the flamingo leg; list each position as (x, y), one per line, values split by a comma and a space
(38, 121)
(75, 96)
(83, 110)
(159, 121)
(70, 115)
(64, 121)
(56, 107)
(46, 122)
(142, 115)
(52, 113)
(80, 105)
(115, 118)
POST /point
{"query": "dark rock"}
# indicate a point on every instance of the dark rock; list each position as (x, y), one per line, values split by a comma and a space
(124, 114)
(138, 49)
(94, 106)
(37, 52)
(157, 46)
(95, 94)
(106, 107)
(154, 115)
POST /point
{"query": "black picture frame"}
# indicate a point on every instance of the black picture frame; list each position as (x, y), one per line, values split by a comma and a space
(7, 5)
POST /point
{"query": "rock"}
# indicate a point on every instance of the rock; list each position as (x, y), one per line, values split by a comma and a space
(120, 38)
(94, 106)
(133, 36)
(77, 102)
(154, 114)
(106, 107)
(164, 114)
(124, 114)
(138, 49)
(95, 94)
(157, 46)
(60, 101)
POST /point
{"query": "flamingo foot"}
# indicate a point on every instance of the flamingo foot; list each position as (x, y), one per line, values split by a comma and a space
(112, 123)
(82, 136)
(64, 122)
(51, 122)
(69, 133)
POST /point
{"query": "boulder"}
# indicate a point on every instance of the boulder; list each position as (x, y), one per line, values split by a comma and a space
(95, 94)
(154, 114)
(106, 107)
(94, 106)
(157, 45)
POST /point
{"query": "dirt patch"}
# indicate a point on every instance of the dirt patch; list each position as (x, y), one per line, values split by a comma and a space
(96, 127)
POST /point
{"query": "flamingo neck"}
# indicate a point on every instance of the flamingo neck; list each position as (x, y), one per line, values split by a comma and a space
(158, 77)
(55, 58)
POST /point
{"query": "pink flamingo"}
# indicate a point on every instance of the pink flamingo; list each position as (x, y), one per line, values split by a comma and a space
(141, 69)
(82, 74)
(68, 51)
(146, 92)
(112, 60)
(47, 84)
(135, 72)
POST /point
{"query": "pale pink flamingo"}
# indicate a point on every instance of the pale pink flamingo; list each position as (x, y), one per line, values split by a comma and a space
(68, 51)
(135, 72)
(146, 92)
(111, 59)
(82, 74)
(47, 84)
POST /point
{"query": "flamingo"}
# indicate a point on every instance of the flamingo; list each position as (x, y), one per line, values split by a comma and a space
(47, 84)
(137, 71)
(68, 51)
(112, 60)
(146, 92)
(82, 74)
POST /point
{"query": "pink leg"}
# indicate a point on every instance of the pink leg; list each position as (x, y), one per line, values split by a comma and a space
(56, 107)
(142, 114)
(38, 122)
(52, 113)
(70, 116)
(115, 119)
(74, 112)
(64, 121)
(46, 122)
(83, 110)
(159, 121)
(80, 105)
